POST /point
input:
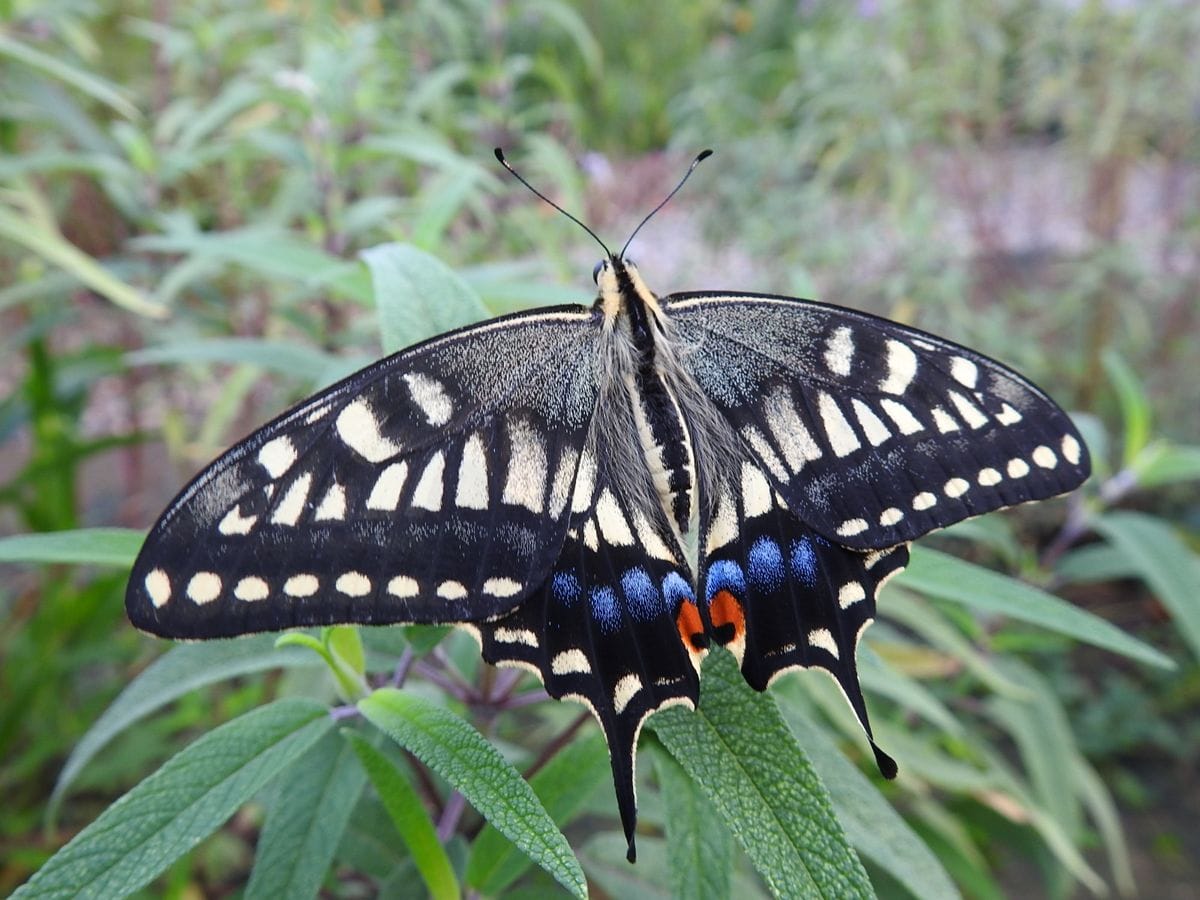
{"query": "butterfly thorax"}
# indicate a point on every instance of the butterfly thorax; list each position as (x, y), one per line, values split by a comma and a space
(663, 431)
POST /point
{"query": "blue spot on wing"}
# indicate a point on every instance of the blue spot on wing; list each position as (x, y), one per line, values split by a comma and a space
(565, 587)
(724, 575)
(765, 564)
(804, 561)
(644, 600)
(605, 609)
(676, 590)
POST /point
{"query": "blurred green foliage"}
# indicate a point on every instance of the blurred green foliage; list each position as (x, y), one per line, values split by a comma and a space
(184, 192)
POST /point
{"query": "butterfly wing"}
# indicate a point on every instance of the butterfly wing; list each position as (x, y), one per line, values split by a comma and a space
(780, 596)
(615, 626)
(873, 433)
(432, 486)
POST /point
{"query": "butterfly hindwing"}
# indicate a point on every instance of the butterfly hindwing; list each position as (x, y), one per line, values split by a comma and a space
(607, 628)
(780, 596)
(430, 487)
(874, 433)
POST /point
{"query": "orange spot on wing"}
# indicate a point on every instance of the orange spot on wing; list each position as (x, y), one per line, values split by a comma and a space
(691, 627)
(728, 618)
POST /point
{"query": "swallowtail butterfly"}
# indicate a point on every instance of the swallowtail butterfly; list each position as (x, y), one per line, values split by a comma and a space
(601, 493)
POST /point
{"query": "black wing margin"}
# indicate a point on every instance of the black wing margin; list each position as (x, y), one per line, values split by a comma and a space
(873, 432)
(432, 486)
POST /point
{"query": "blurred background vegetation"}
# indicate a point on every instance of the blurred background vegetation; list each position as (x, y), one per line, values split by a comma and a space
(185, 187)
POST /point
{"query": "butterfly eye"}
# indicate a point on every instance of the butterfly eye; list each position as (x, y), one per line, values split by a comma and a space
(600, 266)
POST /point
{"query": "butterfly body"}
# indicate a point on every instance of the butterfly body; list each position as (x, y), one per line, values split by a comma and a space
(600, 494)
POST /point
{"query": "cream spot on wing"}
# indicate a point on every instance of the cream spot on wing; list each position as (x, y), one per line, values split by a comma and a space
(358, 427)
(955, 487)
(1045, 457)
(756, 492)
(204, 587)
(452, 590)
(612, 522)
(923, 500)
(971, 414)
(277, 456)
(624, 691)
(430, 396)
(650, 541)
(235, 523)
(943, 420)
(766, 453)
(590, 537)
(353, 584)
(850, 593)
(472, 490)
(822, 638)
(890, 516)
(158, 586)
(333, 505)
(902, 416)
(1071, 450)
(385, 494)
(317, 414)
(525, 484)
(402, 586)
(851, 527)
(1008, 415)
(722, 525)
(788, 429)
(1017, 468)
(841, 436)
(301, 585)
(964, 371)
(568, 461)
(989, 477)
(428, 492)
(902, 368)
(501, 587)
(251, 589)
(872, 427)
(585, 483)
(516, 636)
(839, 351)
(292, 505)
(569, 662)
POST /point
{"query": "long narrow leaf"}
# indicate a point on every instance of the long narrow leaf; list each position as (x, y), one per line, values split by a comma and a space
(739, 750)
(313, 801)
(461, 755)
(940, 575)
(79, 546)
(409, 817)
(699, 851)
(186, 800)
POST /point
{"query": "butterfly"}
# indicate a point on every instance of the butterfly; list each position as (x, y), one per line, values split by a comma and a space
(602, 493)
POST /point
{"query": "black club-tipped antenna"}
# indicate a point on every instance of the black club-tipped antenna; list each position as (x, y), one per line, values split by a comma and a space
(705, 154)
(517, 175)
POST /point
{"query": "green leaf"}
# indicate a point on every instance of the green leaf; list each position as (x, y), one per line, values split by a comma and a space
(88, 82)
(81, 546)
(739, 750)
(1135, 408)
(1162, 463)
(564, 786)
(458, 753)
(408, 815)
(699, 850)
(875, 829)
(417, 295)
(313, 800)
(289, 357)
(943, 576)
(187, 799)
(182, 669)
(1095, 562)
(1165, 563)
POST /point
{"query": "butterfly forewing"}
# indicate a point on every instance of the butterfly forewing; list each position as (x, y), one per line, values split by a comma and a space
(430, 487)
(874, 433)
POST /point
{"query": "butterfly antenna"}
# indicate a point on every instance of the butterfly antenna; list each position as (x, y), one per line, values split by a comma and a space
(517, 175)
(692, 168)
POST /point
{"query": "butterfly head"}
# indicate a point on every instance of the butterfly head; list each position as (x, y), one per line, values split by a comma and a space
(621, 285)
